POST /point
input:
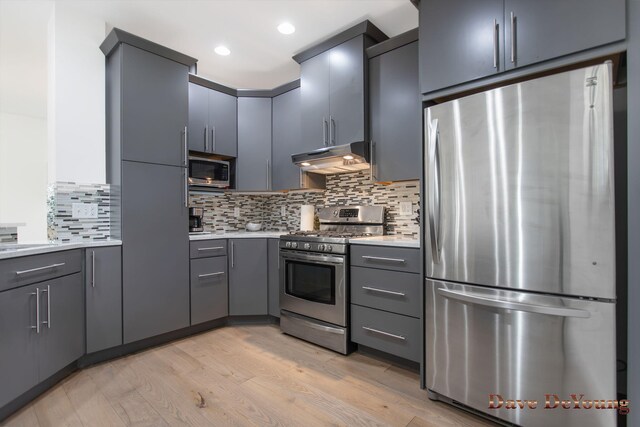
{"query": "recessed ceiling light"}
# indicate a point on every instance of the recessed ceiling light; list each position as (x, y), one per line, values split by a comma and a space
(286, 28)
(347, 157)
(305, 164)
(222, 50)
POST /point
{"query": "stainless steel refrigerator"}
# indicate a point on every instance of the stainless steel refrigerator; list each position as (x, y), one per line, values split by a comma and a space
(520, 256)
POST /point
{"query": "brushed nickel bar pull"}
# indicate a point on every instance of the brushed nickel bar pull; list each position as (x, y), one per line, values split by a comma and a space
(325, 141)
(210, 274)
(33, 270)
(37, 294)
(186, 187)
(93, 269)
(232, 257)
(332, 131)
(388, 334)
(513, 37)
(495, 44)
(213, 248)
(213, 139)
(206, 137)
(186, 149)
(378, 258)
(383, 291)
(48, 321)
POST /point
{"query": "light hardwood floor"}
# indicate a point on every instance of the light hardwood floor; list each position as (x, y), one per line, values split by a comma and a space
(240, 375)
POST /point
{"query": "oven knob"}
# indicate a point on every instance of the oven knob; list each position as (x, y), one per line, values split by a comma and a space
(335, 213)
(294, 245)
(288, 244)
(307, 246)
(321, 247)
(328, 248)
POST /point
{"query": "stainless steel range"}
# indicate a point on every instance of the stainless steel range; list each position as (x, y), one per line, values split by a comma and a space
(314, 273)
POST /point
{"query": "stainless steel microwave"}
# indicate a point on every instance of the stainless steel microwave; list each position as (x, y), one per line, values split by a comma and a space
(208, 172)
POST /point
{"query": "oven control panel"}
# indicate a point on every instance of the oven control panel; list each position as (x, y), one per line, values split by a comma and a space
(314, 247)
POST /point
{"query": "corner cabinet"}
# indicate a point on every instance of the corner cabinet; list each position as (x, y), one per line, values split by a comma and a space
(332, 95)
(394, 98)
(465, 40)
(213, 117)
(253, 167)
(248, 281)
(287, 140)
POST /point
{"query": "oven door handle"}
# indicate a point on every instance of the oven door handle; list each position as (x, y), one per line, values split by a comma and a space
(313, 258)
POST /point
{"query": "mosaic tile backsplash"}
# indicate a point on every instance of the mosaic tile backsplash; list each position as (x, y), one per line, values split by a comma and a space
(62, 227)
(353, 188)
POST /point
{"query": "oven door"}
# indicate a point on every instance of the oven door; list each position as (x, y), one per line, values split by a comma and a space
(314, 285)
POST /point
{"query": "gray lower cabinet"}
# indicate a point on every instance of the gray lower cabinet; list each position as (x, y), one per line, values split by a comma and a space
(274, 277)
(287, 140)
(209, 289)
(386, 258)
(395, 119)
(41, 332)
(253, 170)
(155, 250)
(103, 290)
(248, 281)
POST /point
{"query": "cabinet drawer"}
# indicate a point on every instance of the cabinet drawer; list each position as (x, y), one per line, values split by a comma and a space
(388, 332)
(209, 289)
(393, 291)
(385, 257)
(207, 248)
(22, 271)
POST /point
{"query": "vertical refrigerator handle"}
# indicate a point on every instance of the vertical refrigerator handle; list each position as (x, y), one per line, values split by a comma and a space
(434, 190)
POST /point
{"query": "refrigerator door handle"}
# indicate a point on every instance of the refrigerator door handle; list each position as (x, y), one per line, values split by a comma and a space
(434, 190)
(512, 305)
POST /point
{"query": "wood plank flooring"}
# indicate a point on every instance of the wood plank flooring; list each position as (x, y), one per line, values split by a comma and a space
(241, 376)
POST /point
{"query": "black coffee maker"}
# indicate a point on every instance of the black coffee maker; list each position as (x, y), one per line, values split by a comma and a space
(195, 220)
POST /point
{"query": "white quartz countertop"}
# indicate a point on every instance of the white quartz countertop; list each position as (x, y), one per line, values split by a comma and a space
(397, 241)
(11, 250)
(238, 235)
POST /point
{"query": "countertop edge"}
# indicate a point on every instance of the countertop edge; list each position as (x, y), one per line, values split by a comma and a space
(58, 247)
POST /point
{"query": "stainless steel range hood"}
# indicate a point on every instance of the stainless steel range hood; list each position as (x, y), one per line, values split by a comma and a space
(337, 159)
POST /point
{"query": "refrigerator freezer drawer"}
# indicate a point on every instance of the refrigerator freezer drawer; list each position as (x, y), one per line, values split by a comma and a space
(482, 341)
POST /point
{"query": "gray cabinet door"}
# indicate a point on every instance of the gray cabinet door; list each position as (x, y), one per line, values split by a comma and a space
(223, 124)
(287, 140)
(248, 277)
(155, 96)
(394, 100)
(457, 41)
(274, 277)
(155, 250)
(346, 98)
(546, 29)
(253, 168)
(62, 336)
(209, 289)
(314, 100)
(198, 117)
(103, 290)
(18, 342)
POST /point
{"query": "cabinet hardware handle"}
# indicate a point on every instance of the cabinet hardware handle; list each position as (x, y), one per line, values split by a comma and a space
(206, 138)
(372, 151)
(33, 270)
(214, 248)
(495, 44)
(210, 274)
(332, 130)
(232, 257)
(48, 321)
(37, 294)
(213, 139)
(513, 37)
(186, 188)
(325, 141)
(268, 183)
(388, 334)
(383, 291)
(186, 147)
(378, 258)
(93, 269)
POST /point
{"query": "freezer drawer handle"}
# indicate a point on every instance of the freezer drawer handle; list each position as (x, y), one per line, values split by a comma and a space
(383, 291)
(378, 258)
(511, 305)
(388, 334)
(210, 274)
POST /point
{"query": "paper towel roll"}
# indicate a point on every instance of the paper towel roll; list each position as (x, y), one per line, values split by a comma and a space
(307, 213)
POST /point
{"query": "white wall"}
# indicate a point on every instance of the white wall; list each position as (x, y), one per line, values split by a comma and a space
(76, 96)
(23, 175)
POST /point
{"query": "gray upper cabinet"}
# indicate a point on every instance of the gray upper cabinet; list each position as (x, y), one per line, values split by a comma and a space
(103, 290)
(253, 172)
(545, 29)
(287, 140)
(457, 41)
(248, 282)
(212, 121)
(394, 99)
(274, 277)
(332, 95)
(18, 342)
(155, 251)
(346, 87)
(154, 107)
